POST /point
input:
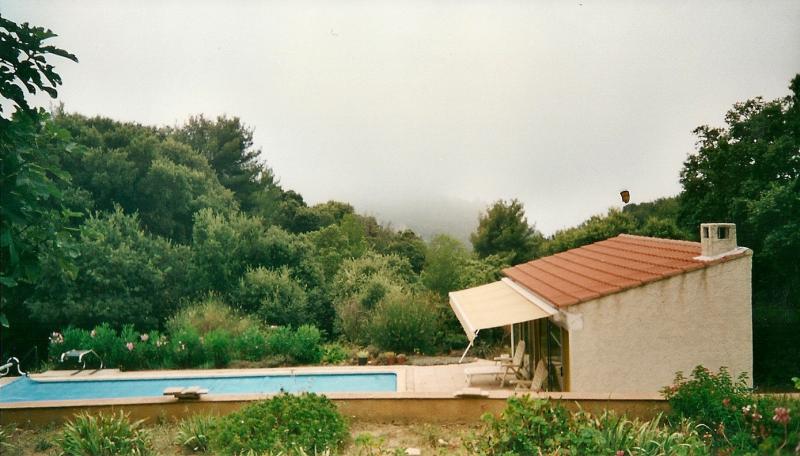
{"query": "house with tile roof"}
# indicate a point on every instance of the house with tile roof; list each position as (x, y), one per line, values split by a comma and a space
(624, 314)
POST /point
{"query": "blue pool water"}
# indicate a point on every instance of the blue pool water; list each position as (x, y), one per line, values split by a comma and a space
(26, 389)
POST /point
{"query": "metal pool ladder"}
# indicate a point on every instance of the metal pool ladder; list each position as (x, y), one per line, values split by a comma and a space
(5, 369)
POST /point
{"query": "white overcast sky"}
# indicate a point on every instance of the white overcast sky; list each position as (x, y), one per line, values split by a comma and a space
(561, 104)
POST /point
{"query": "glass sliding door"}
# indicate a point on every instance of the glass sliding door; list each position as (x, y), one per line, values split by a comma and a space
(551, 345)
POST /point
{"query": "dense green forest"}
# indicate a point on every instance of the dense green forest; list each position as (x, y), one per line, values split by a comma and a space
(117, 223)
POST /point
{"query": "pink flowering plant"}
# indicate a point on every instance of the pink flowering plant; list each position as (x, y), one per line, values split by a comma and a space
(206, 342)
(126, 349)
(56, 338)
(734, 418)
(68, 339)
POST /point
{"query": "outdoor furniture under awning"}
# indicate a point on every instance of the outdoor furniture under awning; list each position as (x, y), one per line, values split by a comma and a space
(500, 303)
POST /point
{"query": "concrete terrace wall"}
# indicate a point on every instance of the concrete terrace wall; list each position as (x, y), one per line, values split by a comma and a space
(405, 408)
(635, 341)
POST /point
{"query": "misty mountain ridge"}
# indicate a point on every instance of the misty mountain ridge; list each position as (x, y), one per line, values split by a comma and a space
(428, 217)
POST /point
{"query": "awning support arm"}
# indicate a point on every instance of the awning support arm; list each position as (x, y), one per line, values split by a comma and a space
(468, 347)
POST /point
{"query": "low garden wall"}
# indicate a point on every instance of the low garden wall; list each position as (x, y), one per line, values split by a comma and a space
(399, 407)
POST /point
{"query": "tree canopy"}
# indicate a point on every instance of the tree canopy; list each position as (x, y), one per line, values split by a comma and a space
(24, 68)
(503, 230)
(32, 213)
(747, 173)
(227, 145)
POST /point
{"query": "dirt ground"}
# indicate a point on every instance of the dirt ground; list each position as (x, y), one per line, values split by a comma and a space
(368, 439)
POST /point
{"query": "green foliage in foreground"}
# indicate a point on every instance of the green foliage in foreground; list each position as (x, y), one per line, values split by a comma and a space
(32, 213)
(285, 423)
(536, 426)
(6, 444)
(733, 418)
(195, 432)
(104, 435)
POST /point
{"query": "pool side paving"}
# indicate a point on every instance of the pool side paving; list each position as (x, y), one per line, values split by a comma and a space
(424, 394)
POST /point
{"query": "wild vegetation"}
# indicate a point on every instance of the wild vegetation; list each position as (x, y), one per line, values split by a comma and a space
(126, 230)
(286, 423)
(104, 435)
(733, 419)
(711, 414)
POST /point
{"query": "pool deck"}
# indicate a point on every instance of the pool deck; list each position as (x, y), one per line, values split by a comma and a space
(447, 378)
(424, 394)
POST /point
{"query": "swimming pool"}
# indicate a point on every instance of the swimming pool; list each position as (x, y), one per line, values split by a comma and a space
(26, 389)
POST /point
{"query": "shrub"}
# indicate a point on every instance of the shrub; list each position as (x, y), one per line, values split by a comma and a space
(70, 339)
(194, 433)
(153, 349)
(306, 347)
(306, 422)
(280, 341)
(351, 320)
(526, 426)
(108, 345)
(186, 348)
(535, 426)
(127, 350)
(611, 434)
(709, 398)
(404, 323)
(735, 419)
(334, 353)
(274, 296)
(653, 437)
(132, 347)
(218, 347)
(369, 445)
(104, 435)
(302, 345)
(251, 345)
(210, 314)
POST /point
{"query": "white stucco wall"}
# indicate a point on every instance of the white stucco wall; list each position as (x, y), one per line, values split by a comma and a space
(635, 341)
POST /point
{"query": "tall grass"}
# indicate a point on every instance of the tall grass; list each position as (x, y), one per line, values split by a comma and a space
(209, 315)
(194, 433)
(104, 435)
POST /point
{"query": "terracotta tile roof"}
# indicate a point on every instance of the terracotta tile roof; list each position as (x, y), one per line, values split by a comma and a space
(607, 267)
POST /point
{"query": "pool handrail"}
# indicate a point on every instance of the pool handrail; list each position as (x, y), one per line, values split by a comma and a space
(6, 368)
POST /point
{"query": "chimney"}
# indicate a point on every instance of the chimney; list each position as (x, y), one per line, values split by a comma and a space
(717, 239)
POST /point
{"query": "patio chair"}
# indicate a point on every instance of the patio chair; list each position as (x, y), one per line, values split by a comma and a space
(502, 369)
(535, 384)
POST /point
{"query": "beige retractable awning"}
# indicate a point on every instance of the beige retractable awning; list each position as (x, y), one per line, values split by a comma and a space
(492, 305)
